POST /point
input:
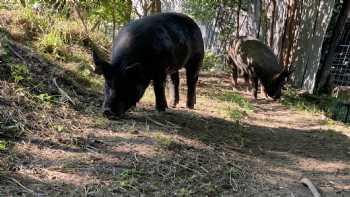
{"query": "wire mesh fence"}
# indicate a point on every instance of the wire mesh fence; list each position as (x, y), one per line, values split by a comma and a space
(340, 70)
(340, 76)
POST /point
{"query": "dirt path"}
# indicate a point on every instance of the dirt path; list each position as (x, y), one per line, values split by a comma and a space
(293, 144)
(287, 145)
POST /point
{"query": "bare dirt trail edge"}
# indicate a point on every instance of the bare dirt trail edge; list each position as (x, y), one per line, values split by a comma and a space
(294, 144)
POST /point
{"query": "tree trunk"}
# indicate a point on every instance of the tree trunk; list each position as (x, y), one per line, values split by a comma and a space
(258, 17)
(272, 25)
(238, 13)
(315, 17)
(290, 33)
(324, 74)
(156, 6)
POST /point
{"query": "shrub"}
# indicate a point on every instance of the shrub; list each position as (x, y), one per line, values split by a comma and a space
(32, 23)
(212, 62)
(20, 72)
(53, 43)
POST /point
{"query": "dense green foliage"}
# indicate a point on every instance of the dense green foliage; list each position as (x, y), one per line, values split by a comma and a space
(205, 10)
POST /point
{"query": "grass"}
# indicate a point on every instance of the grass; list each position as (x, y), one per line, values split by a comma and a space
(239, 106)
(52, 43)
(324, 104)
(307, 102)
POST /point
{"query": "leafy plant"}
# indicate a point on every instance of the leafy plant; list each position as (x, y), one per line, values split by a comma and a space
(3, 145)
(45, 98)
(20, 72)
(53, 43)
(212, 61)
(32, 23)
(59, 128)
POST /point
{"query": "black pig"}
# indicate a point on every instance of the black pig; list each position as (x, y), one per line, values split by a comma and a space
(258, 62)
(148, 50)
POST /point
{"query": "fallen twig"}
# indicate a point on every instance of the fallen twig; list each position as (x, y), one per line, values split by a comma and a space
(175, 126)
(311, 186)
(20, 184)
(62, 92)
(233, 183)
(156, 122)
(188, 168)
(168, 125)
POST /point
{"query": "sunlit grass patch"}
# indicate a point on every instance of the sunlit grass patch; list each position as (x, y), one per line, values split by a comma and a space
(307, 102)
(52, 43)
(166, 141)
(101, 122)
(234, 105)
(234, 97)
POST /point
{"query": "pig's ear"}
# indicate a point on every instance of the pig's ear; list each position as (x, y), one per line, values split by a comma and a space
(102, 66)
(135, 71)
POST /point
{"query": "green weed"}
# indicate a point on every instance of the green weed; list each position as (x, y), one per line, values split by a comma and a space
(212, 62)
(164, 141)
(33, 24)
(101, 122)
(235, 106)
(307, 102)
(45, 98)
(234, 97)
(129, 178)
(52, 43)
(60, 128)
(3, 145)
(20, 72)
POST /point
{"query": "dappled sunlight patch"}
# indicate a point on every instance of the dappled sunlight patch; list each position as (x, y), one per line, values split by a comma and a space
(132, 149)
(145, 150)
(44, 176)
(321, 166)
(44, 155)
(148, 97)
